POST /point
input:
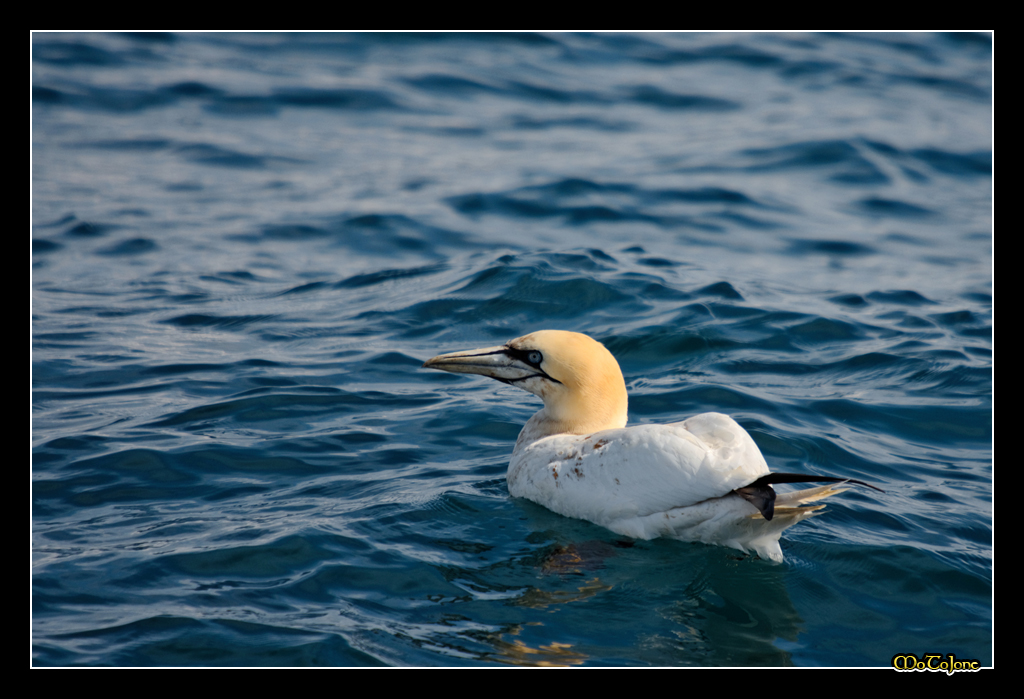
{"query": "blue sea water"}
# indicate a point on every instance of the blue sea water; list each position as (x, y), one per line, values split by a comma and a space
(245, 245)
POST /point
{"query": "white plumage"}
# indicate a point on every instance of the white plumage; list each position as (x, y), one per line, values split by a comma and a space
(702, 479)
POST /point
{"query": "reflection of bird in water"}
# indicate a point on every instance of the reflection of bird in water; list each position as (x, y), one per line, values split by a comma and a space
(702, 479)
(584, 557)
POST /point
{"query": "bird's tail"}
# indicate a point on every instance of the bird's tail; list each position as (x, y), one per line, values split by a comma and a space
(793, 500)
(790, 508)
(761, 495)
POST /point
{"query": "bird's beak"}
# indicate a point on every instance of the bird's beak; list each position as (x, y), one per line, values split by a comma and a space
(496, 362)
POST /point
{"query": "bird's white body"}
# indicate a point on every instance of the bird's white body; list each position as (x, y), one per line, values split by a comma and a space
(651, 481)
(577, 458)
(619, 475)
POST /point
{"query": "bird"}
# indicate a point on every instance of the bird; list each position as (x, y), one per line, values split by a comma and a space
(702, 479)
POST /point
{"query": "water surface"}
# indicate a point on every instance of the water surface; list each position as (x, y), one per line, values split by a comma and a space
(245, 245)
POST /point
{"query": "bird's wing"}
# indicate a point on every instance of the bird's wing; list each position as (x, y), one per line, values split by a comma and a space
(637, 471)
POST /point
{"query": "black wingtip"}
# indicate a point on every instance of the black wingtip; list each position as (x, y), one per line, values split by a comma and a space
(761, 496)
(804, 478)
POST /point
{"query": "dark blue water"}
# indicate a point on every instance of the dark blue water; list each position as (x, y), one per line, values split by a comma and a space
(244, 246)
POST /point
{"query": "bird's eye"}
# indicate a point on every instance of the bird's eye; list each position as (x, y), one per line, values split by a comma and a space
(535, 358)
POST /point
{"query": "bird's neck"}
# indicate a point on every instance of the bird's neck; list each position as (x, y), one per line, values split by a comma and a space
(544, 424)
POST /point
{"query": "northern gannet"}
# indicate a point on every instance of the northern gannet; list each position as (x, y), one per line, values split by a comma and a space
(702, 479)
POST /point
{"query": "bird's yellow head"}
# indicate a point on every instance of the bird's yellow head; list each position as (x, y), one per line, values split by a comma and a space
(576, 376)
